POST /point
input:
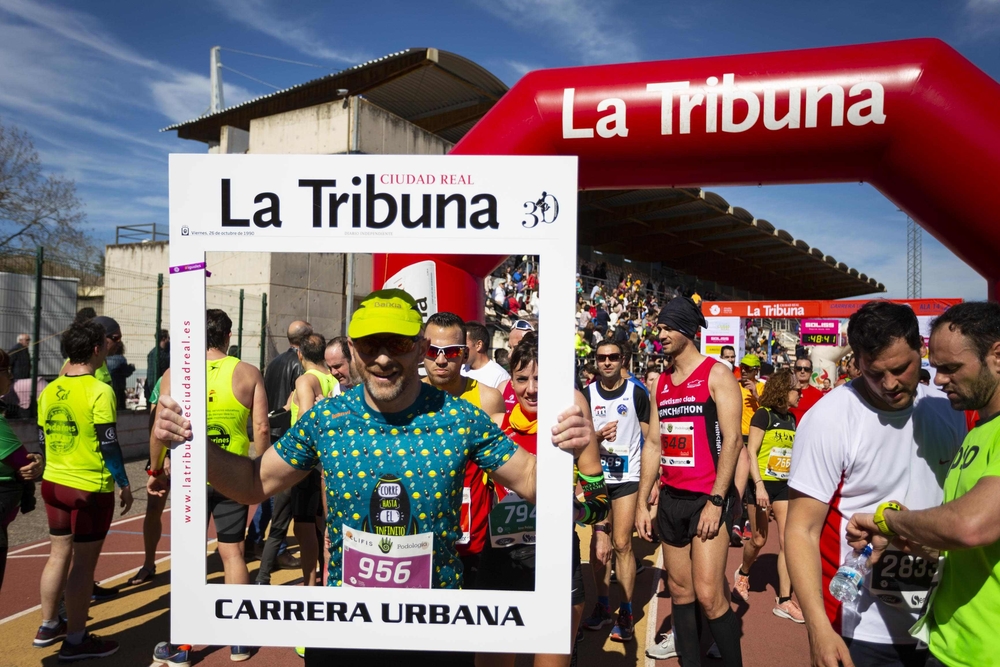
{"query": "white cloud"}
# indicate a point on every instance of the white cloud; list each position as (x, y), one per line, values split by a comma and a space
(270, 19)
(520, 69)
(981, 18)
(76, 27)
(587, 28)
(158, 202)
(186, 95)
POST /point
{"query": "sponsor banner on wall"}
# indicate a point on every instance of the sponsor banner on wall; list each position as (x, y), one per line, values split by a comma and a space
(814, 309)
(722, 331)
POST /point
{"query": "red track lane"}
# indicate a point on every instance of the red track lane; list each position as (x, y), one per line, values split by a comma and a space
(138, 617)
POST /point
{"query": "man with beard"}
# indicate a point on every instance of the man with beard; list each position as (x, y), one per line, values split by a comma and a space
(376, 432)
(698, 407)
(443, 363)
(882, 436)
(964, 612)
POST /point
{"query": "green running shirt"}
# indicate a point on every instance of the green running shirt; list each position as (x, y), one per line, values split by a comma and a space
(966, 609)
(68, 409)
(227, 417)
(326, 382)
(422, 451)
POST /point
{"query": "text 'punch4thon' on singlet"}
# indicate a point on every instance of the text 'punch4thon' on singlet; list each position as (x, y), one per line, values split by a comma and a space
(690, 436)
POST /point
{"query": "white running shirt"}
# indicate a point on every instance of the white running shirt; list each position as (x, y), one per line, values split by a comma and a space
(855, 457)
(492, 374)
(629, 405)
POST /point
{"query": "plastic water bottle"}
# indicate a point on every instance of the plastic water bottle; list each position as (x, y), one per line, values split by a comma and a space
(846, 584)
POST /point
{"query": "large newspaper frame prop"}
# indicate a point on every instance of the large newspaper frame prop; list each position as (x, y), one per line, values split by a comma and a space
(212, 208)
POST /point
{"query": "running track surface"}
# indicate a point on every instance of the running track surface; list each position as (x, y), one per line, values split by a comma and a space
(138, 617)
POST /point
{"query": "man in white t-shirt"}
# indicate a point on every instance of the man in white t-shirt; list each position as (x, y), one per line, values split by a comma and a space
(880, 436)
(480, 367)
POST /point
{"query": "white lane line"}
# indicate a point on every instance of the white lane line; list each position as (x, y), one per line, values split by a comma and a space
(111, 578)
(45, 542)
(103, 553)
(652, 620)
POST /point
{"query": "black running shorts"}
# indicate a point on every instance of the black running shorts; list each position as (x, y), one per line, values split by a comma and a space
(230, 517)
(616, 491)
(678, 513)
(307, 498)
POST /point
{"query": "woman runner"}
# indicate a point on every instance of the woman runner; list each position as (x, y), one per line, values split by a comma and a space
(511, 567)
(772, 434)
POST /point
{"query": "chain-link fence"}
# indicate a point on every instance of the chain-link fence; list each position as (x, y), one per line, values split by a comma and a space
(246, 312)
(42, 293)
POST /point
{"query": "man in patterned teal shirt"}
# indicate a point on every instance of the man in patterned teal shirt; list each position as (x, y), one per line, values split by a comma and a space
(393, 452)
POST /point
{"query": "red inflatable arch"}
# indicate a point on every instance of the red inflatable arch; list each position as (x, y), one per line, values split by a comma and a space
(913, 118)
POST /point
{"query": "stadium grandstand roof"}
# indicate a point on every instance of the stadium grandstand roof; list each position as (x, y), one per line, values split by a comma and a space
(439, 91)
(701, 234)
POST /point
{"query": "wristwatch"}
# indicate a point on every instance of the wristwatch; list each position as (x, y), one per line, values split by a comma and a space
(603, 528)
(716, 500)
(879, 517)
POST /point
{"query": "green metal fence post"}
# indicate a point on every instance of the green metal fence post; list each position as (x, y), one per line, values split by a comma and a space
(239, 330)
(159, 325)
(36, 330)
(263, 328)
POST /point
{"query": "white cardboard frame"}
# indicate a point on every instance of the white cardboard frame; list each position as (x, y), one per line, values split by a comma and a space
(198, 609)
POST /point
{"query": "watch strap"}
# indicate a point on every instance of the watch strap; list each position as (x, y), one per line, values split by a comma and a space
(879, 517)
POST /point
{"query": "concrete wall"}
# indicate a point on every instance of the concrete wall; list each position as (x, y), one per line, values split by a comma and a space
(320, 129)
(384, 133)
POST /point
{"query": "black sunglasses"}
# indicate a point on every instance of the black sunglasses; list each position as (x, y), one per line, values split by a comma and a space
(394, 344)
(449, 351)
(614, 356)
(804, 368)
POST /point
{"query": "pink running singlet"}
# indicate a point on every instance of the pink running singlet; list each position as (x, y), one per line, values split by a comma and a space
(690, 436)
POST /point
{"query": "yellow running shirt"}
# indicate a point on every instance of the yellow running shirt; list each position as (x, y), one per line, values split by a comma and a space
(965, 611)
(326, 382)
(775, 455)
(68, 409)
(227, 417)
(471, 393)
(102, 373)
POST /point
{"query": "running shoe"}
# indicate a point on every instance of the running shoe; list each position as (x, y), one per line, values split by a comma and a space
(788, 610)
(100, 593)
(600, 618)
(713, 652)
(624, 630)
(239, 653)
(92, 646)
(300, 651)
(663, 650)
(49, 636)
(742, 585)
(173, 655)
(736, 537)
(747, 533)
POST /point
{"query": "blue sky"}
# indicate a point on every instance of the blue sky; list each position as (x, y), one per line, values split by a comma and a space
(93, 82)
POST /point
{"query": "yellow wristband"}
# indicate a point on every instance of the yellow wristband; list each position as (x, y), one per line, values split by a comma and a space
(879, 517)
